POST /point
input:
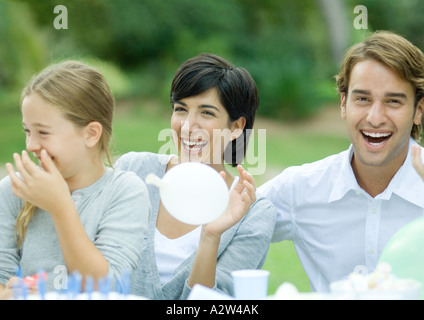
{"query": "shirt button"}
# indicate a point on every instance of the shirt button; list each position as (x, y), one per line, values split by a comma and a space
(370, 251)
(373, 210)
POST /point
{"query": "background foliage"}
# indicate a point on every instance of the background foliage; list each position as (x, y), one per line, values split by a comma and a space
(291, 48)
(285, 44)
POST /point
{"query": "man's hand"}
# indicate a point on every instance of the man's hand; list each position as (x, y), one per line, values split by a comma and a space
(416, 160)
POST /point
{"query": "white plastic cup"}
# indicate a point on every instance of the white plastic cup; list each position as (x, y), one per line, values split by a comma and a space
(250, 284)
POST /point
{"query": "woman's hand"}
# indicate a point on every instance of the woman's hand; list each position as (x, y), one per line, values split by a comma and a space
(416, 161)
(43, 187)
(242, 196)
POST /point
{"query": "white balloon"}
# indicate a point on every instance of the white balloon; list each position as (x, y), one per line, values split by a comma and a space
(192, 192)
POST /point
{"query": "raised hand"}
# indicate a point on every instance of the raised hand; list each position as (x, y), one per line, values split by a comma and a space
(242, 196)
(416, 161)
(43, 186)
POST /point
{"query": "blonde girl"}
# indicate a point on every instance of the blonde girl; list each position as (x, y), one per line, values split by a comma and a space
(71, 210)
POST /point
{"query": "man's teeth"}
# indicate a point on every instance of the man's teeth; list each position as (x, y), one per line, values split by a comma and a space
(377, 134)
(376, 138)
(376, 143)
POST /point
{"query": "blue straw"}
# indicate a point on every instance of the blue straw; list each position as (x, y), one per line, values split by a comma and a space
(41, 284)
(23, 288)
(89, 287)
(69, 289)
(104, 287)
(126, 280)
(19, 272)
(20, 288)
(77, 281)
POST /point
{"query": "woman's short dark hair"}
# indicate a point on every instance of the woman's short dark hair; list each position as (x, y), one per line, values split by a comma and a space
(236, 89)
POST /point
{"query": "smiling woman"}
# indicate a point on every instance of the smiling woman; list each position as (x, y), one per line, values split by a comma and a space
(202, 126)
(227, 94)
(213, 103)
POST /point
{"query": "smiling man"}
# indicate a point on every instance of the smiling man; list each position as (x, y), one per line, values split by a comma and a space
(380, 110)
(341, 211)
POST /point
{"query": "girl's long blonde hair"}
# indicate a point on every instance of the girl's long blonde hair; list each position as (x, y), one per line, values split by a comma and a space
(81, 93)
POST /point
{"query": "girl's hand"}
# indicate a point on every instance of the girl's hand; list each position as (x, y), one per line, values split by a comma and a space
(7, 291)
(242, 196)
(416, 161)
(47, 189)
(43, 187)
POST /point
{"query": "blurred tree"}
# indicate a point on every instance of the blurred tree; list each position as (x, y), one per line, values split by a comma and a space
(288, 56)
(22, 52)
(404, 17)
(283, 43)
(154, 28)
(335, 16)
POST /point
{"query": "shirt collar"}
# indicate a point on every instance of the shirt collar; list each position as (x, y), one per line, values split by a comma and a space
(345, 180)
(406, 183)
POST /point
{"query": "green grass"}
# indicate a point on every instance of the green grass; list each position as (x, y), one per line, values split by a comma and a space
(284, 266)
(136, 128)
(302, 147)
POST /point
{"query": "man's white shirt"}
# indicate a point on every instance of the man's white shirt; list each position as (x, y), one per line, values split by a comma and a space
(336, 226)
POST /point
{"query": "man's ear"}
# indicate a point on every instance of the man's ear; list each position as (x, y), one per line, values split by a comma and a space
(343, 105)
(93, 133)
(237, 128)
(418, 117)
